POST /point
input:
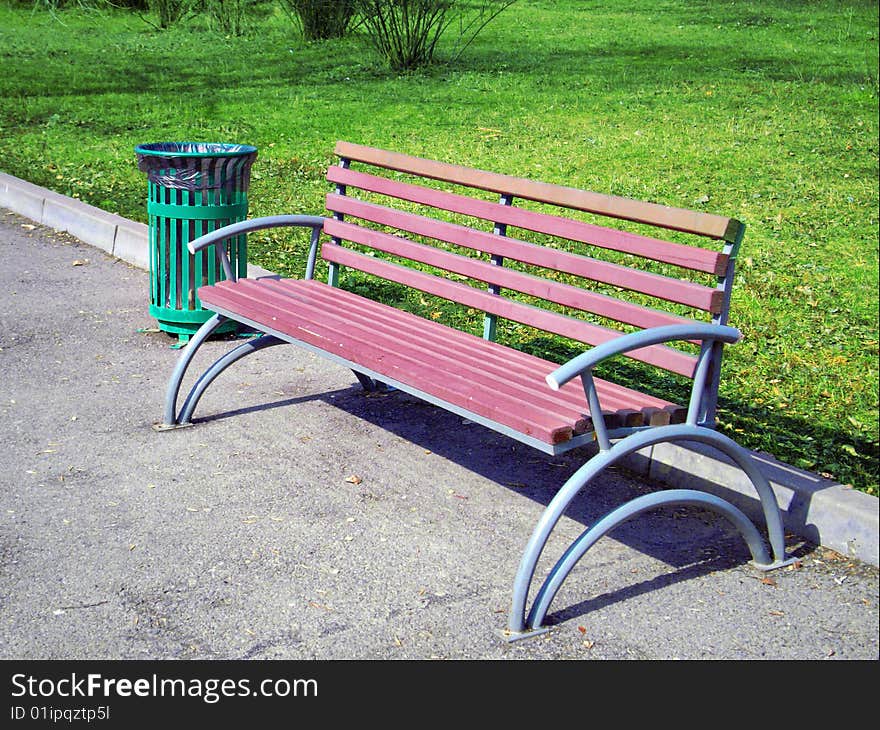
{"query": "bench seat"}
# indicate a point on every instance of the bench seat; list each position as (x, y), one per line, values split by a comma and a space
(478, 378)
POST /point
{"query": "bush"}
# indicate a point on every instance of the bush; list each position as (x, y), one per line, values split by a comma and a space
(170, 12)
(322, 19)
(405, 32)
(233, 17)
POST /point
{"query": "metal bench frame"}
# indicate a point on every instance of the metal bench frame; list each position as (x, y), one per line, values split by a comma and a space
(613, 443)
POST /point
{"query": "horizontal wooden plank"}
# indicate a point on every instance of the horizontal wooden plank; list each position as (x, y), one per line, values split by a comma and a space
(708, 299)
(678, 219)
(694, 258)
(576, 329)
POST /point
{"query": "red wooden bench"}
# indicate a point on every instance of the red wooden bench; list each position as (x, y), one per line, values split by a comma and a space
(593, 269)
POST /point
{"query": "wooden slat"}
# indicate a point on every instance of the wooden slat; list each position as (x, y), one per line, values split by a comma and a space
(708, 299)
(678, 219)
(694, 258)
(658, 355)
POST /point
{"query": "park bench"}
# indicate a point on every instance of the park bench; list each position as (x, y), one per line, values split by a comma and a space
(512, 254)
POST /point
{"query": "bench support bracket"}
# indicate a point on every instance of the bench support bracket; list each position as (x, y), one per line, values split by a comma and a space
(522, 624)
(173, 419)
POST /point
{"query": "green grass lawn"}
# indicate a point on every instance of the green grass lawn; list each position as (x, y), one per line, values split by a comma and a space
(765, 111)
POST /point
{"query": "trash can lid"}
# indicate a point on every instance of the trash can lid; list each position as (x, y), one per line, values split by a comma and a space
(194, 149)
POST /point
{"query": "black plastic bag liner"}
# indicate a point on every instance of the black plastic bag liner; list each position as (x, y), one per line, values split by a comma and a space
(196, 165)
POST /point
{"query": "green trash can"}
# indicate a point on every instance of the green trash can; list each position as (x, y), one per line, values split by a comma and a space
(194, 188)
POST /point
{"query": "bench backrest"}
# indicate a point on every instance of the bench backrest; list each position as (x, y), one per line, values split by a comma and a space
(577, 262)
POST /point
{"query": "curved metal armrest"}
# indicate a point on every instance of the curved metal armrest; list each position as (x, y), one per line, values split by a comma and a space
(315, 222)
(254, 224)
(635, 340)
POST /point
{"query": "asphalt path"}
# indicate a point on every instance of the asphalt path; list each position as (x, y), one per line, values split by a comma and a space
(302, 518)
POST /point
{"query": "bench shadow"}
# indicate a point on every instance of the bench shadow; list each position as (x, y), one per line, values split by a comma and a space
(692, 542)
(656, 583)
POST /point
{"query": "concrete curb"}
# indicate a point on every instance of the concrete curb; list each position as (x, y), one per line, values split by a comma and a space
(117, 236)
(111, 233)
(817, 509)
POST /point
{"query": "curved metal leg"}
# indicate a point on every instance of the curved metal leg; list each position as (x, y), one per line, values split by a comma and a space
(186, 356)
(517, 622)
(218, 367)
